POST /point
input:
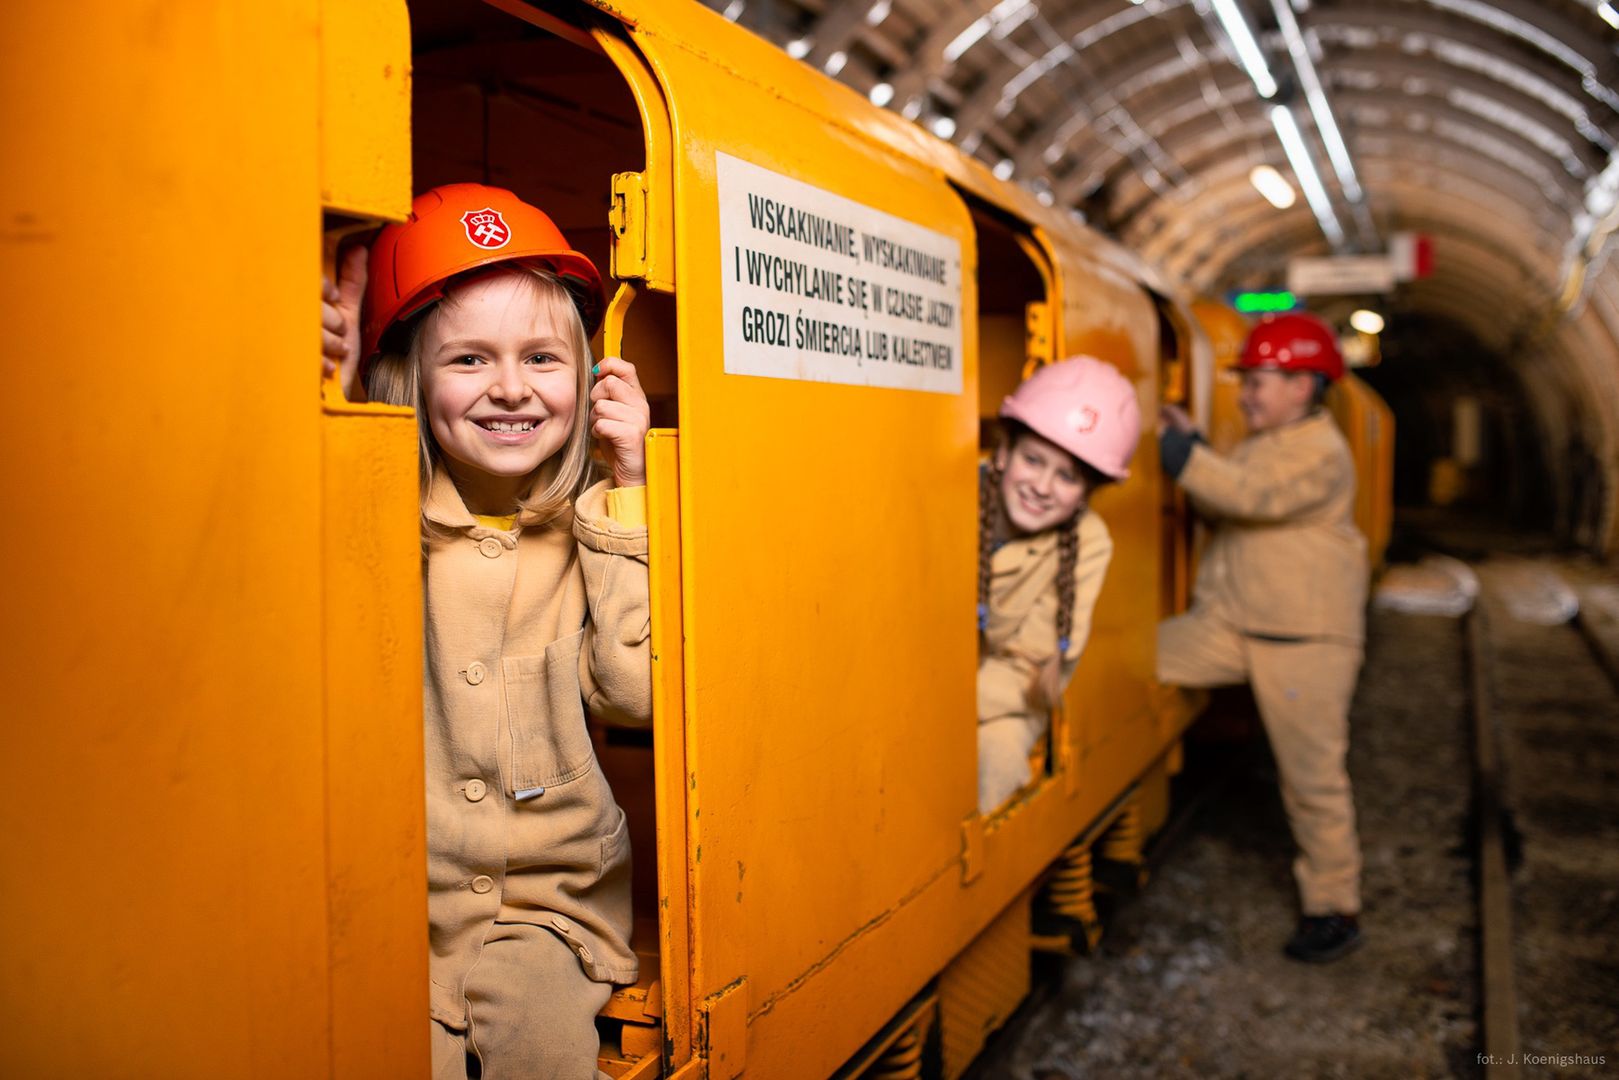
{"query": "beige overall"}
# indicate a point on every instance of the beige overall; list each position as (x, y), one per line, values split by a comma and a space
(1020, 637)
(1280, 604)
(528, 854)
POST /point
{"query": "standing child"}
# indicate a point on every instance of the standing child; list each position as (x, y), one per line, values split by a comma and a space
(1066, 430)
(478, 313)
(1280, 599)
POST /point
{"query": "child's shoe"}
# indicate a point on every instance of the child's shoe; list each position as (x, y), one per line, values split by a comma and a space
(1323, 938)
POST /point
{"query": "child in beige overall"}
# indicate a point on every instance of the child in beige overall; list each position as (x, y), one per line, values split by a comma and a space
(1279, 602)
(477, 313)
(1042, 553)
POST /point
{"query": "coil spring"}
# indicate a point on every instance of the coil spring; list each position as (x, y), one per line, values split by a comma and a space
(1123, 840)
(1072, 891)
(902, 1060)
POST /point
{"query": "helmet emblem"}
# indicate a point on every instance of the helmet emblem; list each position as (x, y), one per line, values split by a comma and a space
(486, 228)
(1083, 419)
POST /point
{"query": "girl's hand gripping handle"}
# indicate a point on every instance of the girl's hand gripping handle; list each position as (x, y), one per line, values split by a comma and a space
(340, 321)
(620, 414)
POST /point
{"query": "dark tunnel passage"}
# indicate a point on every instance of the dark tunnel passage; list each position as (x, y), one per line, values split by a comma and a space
(1467, 435)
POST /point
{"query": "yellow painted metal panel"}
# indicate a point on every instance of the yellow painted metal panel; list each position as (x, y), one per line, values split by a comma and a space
(669, 742)
(376, 821)
(1384, 530)
(1152, 793)
(1109, 316)
(1227, 329)
(1368, 425)
(365, 108)
(164, 781)
(981, 987)
(837, 520)
(372, 608)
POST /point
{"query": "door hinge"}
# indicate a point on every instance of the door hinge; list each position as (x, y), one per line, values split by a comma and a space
(1037, 327)
(972, 849)
(627, 219)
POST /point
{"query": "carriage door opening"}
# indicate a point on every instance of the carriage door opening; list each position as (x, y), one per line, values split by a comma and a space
(561, 111)
(1016, 333)
(1176, 379)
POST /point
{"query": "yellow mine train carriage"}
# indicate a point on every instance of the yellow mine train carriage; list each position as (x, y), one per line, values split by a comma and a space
(214, 786)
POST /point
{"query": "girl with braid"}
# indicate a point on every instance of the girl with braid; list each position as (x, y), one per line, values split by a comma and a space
(1042, 554)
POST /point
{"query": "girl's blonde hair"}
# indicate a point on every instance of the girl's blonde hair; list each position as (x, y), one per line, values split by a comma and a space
(395, 378)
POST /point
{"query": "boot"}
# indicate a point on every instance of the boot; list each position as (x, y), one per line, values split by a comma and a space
(1320, 939)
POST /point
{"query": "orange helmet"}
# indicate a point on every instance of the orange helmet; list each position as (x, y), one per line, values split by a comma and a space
(1293, 342)
(460, 227)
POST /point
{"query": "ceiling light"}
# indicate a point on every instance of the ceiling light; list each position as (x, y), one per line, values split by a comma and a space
(1287, 129)
(835, 62)
(1003, 18)
(878, 12)
(1003, 169)
(1366, 321)
(966, 39)
(735, 8)
(1011, 14)
(798, 48)
(1242, 39)
(882, 94)
(943, 127)
(1274, 186)
(1325, 124)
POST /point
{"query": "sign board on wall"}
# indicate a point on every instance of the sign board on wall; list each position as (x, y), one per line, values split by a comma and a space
(1339, 274)
(826, 289)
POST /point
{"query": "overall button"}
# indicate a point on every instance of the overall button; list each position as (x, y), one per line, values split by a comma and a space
(482, 883)
(476, 789)
(490, 547)
(476, 673)
(561, 924)
(584, 953)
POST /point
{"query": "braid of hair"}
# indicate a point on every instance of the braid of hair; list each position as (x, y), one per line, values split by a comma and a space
(1067, 564)
(989, 511)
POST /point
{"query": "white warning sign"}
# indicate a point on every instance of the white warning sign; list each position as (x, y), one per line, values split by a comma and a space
(823, 288)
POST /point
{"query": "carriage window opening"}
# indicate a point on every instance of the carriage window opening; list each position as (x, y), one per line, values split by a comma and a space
(1008, 282)
(1015, 747)
(502, 102)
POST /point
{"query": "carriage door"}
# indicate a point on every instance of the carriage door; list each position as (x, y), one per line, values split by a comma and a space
(558, 106)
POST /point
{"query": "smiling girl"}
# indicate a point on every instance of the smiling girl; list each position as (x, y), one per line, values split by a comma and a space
(479, 314)
(1042, 554)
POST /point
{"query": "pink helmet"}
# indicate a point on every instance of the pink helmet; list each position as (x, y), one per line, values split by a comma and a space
(1084, 406)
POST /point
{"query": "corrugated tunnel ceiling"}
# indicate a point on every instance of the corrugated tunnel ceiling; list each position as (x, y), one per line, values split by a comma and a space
(1490, 126)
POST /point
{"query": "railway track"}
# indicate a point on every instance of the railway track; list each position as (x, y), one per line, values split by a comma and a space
(1545, 755)
(1501, 1045)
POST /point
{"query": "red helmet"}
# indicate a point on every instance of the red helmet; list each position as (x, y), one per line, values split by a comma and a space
(460, 227)
(1293, 342)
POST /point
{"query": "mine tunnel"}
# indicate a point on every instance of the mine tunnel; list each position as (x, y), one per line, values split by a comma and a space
(802, 539)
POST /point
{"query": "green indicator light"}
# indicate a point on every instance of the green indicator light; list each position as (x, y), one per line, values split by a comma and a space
(1253, 303)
